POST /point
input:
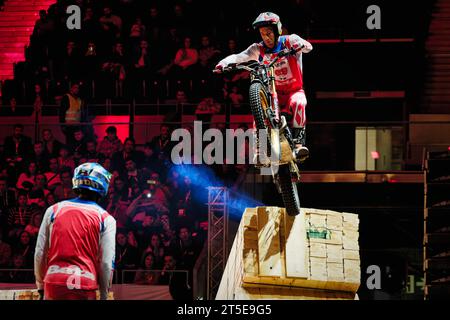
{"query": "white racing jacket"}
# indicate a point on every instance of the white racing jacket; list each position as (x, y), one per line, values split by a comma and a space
(288, 70)
(76, 247)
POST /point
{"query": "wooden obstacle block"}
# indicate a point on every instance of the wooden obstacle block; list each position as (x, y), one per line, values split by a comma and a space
(274, 257)
(334, 253)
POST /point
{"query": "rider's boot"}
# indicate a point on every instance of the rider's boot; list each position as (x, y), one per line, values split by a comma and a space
(301, 152)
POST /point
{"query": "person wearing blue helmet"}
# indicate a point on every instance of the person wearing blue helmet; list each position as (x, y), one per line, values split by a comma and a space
(75, 249)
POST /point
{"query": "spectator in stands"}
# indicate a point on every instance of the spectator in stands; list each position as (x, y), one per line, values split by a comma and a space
(231, 47)
(73, 111)
(17, 275)
(33, 227)
(27, 179)
(38, 193)
(172, 43)
(38, 101)
(92, 154)
(136, 178)
(169, 264)
(79, 145)
(111, 26)
(19, 216)
(51, 145)
(158, 191)
(162, 144)
(150, 162)
(91, 61)
(145, 275)
(206, 54)
(110, 143)
(50, 200)
(153, 25)
(142, 64)
(144, 223)
(65, 159)
(40, 156)
(205, 111)
(106, 163)
(137, 33)
(12, 110)
(52, 176)
(114, 67)
(236, 98)
(185, 60)
(64, 191)
(25, 248)
(42, 32)
(68, 65)
(186, 250)
(118, 201)
(90, 26)
(17, 147)
(156, 248)
(129, 152)
(7, 201)
(179, 18)
(5, 252)
(126, 256)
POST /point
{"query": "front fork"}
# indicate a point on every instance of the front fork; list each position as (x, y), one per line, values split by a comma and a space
(274, 111)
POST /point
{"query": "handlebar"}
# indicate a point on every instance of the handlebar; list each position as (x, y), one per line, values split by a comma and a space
(235, 66)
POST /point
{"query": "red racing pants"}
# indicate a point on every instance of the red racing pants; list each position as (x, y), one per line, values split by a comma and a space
(61, 292)
(294, 104)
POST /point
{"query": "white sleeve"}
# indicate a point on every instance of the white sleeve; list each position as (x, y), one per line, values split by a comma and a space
(296, 41)
(251, 53)
(107, 256)
(42, 245)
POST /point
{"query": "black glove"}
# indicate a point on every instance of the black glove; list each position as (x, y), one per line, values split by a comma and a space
(41, 294)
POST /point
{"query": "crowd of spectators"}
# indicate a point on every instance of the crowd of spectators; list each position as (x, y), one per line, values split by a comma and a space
(159, 207)
(123, 43)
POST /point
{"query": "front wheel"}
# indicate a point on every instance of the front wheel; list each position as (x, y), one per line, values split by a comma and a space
(288, 190)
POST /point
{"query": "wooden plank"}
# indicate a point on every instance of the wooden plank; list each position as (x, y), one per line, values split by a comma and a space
(350, 225)
(350, 217)
(318, 250)
(334, 253)
(335, 271)
(335, 222)
(296, 246)
(350, 245)
(350, 254)
(350, 235)
(352, 270)
(269, 241)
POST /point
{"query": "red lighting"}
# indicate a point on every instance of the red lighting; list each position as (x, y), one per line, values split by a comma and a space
(375, 155)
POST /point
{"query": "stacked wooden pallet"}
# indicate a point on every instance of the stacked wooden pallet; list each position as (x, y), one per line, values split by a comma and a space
(275, 256)
(333, 247)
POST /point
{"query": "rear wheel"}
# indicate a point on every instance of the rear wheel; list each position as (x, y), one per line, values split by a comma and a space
(288, 190)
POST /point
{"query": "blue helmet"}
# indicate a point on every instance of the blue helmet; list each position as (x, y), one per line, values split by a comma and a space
(91, 176)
